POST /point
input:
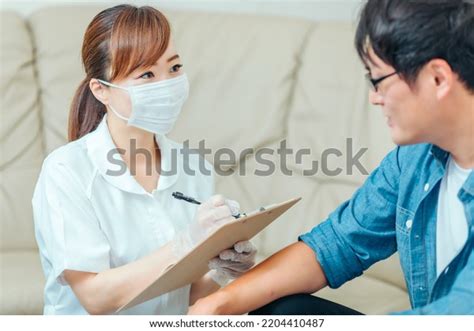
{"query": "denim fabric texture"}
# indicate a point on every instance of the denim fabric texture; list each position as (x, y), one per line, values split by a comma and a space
(396, 210)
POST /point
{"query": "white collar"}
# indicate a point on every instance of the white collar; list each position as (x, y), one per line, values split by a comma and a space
(99, 144)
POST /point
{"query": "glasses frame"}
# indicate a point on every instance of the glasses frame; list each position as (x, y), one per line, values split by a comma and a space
(373, 83)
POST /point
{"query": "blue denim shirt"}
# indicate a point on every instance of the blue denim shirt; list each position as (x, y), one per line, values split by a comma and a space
(396, 210)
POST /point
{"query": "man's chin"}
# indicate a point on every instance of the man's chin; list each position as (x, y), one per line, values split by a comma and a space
(399, 138)
(403, 139)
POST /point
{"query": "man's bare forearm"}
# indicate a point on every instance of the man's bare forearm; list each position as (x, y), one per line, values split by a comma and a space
(292, 270)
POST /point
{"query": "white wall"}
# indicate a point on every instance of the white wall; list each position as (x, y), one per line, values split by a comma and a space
(311, 9)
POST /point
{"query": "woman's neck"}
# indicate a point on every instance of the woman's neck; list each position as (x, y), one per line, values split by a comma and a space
(136, 146)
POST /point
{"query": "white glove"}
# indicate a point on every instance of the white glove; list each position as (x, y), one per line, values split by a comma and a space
(210, 215)
(232, 263)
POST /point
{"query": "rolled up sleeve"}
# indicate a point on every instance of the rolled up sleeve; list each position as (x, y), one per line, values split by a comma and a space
(361, 231)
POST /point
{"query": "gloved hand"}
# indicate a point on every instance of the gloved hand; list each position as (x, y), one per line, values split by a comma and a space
(209, 216)
(232, 263)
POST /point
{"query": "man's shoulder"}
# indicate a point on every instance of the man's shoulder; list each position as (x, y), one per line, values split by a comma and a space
(408, 158)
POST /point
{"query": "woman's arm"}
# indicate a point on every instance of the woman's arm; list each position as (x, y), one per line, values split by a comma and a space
(202, 288)
(294, 269)
(106, 291)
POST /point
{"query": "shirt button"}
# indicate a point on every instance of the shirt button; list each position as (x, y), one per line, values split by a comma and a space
(408, 224)
(417, 236)
(446, 270)
(421, 288)
(427, 187)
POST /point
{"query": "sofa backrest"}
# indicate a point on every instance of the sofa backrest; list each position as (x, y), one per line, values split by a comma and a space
(255, 81)
(21, 139)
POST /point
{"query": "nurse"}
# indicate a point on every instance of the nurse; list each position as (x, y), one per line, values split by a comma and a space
(105, 221)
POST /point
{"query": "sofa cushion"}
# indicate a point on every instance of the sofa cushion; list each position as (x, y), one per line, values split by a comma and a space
(230, 61)
(369, 296)
(330, 106)
(59, 64)
(20, 136)
(241, 69)
(21, 283)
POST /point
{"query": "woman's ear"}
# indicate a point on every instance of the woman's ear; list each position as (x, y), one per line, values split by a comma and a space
(100, 91)
(442, 76)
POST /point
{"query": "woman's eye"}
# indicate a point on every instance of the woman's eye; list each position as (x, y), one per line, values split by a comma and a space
(176, 68)
(147, 75)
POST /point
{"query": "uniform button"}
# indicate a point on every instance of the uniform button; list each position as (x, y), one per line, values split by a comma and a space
(421, 288)
(427, 187)
(408, 224)
(417, 236)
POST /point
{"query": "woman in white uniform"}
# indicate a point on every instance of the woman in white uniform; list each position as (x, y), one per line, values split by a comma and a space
(105, 219)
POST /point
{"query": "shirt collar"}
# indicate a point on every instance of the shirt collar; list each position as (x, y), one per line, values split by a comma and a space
(104, 154)
(442, 156)
(439, 154)
(469, 184)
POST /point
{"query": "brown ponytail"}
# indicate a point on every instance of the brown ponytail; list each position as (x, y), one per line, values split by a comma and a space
(118, 41)
(86, 112)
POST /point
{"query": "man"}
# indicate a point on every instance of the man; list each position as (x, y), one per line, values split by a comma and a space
(419, 201)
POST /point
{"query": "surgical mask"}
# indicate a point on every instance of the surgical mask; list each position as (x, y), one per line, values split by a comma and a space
(155, 106)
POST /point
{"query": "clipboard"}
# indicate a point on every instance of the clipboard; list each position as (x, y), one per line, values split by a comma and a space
(194, 265)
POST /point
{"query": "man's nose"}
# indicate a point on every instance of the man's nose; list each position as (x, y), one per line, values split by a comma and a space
(375, 98)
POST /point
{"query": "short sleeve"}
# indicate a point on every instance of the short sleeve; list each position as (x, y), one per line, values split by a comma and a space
(67, 230)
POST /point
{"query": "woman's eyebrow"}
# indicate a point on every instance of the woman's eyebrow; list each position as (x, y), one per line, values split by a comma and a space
(176, 56)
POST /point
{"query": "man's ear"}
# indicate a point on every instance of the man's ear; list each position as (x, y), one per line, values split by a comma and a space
(442, 77)
(99, 91)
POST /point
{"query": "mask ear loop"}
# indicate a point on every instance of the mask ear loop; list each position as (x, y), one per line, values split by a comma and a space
(112, 108)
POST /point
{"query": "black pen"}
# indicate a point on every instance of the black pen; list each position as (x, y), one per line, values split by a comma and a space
(181, 196)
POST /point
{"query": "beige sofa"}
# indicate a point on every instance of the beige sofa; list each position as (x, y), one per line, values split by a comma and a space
(254, 82)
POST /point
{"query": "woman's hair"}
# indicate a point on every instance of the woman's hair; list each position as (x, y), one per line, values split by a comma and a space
(118, 41)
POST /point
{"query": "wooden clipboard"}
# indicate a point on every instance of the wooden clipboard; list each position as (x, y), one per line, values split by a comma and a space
(194, 265)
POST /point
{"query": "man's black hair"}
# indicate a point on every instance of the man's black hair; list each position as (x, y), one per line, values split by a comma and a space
(408, 34)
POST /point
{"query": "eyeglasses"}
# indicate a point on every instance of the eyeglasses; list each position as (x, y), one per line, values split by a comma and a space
(373, 83)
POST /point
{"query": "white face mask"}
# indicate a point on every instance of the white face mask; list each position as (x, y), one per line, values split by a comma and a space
(155, 106)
